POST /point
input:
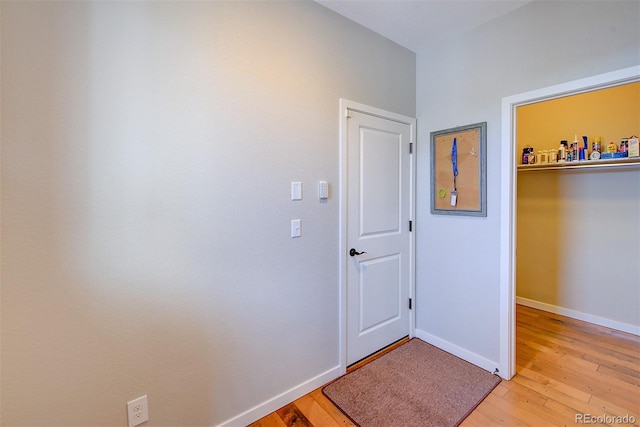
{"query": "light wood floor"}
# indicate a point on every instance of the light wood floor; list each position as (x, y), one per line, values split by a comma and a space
(565, 367)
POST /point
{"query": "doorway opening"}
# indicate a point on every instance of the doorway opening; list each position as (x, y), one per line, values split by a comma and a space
(509, 193)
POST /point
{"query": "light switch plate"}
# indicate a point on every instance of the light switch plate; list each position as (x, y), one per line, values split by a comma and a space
(296, 190)
(295, 228)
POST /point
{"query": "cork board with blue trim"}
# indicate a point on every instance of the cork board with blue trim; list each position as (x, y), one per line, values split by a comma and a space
(459, 170)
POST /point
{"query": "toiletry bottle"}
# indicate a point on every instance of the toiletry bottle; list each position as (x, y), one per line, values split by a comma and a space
(532, 156)
(525, 155)
(562, 152)
(624, 145)
(596, 145)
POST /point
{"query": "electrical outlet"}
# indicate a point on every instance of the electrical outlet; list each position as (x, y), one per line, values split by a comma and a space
(138, 411)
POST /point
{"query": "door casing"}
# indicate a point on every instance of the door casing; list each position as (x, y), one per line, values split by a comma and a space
(508, 195)
(346, 106)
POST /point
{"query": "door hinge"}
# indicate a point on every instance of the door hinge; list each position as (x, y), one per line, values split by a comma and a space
(348, 114)
(410, 225)
(411, 148)
(410, 303)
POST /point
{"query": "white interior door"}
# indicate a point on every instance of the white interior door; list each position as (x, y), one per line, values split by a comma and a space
(379, 244)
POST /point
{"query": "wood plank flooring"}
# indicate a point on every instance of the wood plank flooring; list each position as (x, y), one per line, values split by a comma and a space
(568, 372)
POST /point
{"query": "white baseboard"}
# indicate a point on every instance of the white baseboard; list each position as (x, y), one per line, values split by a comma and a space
(460, 352)
(282, 399)
(602, 321)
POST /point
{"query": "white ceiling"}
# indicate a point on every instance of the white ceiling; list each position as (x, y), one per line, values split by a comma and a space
(415, 24)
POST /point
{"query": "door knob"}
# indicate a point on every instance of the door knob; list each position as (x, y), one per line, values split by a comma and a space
(353, 252)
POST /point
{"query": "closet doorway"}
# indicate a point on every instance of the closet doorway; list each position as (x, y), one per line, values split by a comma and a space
(510, 160)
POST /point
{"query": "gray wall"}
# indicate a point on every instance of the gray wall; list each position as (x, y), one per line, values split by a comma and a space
(463, 81)
(147, 155)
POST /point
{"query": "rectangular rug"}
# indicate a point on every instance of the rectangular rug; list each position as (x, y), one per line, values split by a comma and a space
(415, 384)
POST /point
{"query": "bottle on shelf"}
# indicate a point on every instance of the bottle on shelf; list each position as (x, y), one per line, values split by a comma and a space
(525, 154)
(596, 148)
(562, 151)
(543, 156)
(624, 145)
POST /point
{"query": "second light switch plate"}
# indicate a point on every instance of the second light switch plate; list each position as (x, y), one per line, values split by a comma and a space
(296, 190)
(296, 228)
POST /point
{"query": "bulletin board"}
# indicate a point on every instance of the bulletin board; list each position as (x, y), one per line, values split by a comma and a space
(459, 170)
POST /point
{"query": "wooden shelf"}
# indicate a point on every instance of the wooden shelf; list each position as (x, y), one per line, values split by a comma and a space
(623, 163)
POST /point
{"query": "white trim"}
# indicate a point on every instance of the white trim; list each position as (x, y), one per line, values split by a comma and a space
(585, 317)
(342, 244)
(345, 106)
(507, 244)
(508, 192)
(412, 235)
(464, 354)
(282, 399)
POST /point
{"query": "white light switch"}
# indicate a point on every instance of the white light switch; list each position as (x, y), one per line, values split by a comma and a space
(295, 228)
(296, 190)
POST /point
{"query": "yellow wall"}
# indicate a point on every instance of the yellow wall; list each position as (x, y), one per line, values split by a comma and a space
(611, 114)
(578, 231)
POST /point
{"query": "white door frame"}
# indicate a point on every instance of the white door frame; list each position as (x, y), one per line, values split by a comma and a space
(508, 194)
(346, 105)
